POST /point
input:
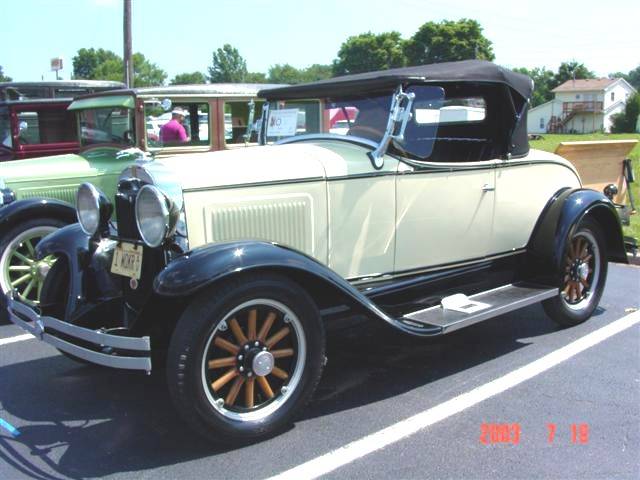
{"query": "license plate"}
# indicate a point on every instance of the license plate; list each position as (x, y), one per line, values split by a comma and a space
(127, 260)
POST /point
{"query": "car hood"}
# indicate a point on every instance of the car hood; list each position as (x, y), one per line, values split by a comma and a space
(40, 168)
(251, 165)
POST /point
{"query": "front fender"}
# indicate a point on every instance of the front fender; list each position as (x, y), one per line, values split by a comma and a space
(559, 220)
(21, 210)
(208, 264)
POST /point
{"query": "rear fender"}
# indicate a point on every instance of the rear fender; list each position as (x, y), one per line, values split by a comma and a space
(559, 220)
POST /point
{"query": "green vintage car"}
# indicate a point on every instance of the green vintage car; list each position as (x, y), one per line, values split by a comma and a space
(115, 128)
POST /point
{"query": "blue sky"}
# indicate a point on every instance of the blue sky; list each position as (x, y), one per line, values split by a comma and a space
(179, 35)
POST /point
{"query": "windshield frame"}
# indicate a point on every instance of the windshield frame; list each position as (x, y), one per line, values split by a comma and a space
(131, 116)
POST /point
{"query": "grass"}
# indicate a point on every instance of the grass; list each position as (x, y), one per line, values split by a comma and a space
(550, 143)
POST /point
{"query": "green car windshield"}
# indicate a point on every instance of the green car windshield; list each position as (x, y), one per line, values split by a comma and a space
(107, 125)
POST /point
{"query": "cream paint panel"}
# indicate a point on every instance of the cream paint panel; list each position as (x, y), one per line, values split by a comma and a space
(291, 214)
(361, 210)
(521, 194)
(442, 217)
(362, 232)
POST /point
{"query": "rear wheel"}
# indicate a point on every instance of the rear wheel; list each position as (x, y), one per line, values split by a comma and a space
(245, 358)
(583, 276)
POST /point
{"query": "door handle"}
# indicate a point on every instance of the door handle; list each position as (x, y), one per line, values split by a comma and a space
(488, 188)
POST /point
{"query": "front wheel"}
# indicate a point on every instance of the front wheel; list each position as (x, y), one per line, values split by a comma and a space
(20, 270)
(583, 276)
(245, 358)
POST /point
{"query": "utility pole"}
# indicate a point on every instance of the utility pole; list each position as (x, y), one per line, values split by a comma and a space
(128, 58)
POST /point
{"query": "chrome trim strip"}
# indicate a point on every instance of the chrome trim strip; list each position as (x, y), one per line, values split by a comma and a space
(378, 277)
(328, 136)
(256, 184)
(127, 363)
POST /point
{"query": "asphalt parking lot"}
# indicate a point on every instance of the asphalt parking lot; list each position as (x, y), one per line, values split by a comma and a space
(576, 418)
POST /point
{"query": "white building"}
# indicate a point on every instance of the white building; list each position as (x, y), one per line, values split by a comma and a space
(581, 106)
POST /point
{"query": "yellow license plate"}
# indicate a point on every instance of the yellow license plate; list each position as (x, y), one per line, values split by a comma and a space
(127, 260)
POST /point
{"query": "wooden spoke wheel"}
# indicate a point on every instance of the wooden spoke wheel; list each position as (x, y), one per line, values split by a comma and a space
(245, 357)
(254, 356)
(581, 269)
(583, 273)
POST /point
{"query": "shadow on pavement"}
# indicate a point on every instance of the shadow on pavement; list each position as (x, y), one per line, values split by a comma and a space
(90, 422)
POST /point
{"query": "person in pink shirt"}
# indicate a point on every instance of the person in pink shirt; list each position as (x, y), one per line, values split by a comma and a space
(173, 131)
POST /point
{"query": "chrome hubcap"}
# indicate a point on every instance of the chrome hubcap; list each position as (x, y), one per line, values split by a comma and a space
(262, 364)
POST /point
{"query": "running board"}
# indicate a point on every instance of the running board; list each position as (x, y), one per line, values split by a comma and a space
(481, 306)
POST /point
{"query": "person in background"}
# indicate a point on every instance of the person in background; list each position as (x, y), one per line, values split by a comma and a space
(173, 131)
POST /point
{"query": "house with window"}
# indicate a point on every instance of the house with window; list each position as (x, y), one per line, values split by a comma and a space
(581, 106)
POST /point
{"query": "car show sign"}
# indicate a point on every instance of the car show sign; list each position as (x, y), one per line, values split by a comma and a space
(282, 123)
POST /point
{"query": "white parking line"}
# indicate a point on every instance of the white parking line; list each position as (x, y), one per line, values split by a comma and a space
(17, 338)
(383, 438)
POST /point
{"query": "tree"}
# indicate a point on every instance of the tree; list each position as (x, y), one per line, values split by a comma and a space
(286, 73)
(255, 77)
(543, 81)
(145, 73)
(88, 60)
(633, 77)
(368, 52)
(3, 77)
(102, 64)
(625, 122)
(228, 65)
(571, 70)
(188, 79)
(448, 41)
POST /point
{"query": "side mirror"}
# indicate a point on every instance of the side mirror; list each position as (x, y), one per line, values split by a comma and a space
(166, 104)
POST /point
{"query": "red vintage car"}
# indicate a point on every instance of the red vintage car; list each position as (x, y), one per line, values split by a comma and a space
(34, 121)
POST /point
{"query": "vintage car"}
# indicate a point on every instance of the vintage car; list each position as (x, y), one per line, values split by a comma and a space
(34, 120)
(226, 266)
(109, 125)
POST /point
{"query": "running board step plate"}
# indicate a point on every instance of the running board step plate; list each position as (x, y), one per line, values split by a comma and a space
(493, 303)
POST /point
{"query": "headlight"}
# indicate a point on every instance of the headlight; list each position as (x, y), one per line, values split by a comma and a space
(155, 215)
(92, 208)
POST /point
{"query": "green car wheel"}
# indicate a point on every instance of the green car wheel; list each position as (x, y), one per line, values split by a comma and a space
(20, 270)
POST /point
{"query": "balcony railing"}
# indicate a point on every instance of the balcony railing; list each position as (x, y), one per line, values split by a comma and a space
(574, 107)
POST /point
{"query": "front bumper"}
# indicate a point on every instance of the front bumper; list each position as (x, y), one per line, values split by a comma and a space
(95, 346)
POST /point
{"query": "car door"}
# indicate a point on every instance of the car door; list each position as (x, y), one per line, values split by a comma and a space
(444, 213)
(361, 209)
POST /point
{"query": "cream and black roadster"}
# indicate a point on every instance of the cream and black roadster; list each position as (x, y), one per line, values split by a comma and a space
(408, 197)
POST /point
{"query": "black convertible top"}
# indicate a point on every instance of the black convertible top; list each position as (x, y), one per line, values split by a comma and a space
(464, 71)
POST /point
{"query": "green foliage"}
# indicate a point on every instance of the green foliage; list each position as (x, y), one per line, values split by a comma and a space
(633, 77)
(188, 79)
(626, 122)
(368, 52)
(543, 81)
(255, 77)
(286, 73)
(228, 66)
(570, 70)
(448, 41)
(3, 77)
(100, 64)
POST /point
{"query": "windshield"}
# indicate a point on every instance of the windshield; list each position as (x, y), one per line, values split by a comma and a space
(113, 125)
(357, 116)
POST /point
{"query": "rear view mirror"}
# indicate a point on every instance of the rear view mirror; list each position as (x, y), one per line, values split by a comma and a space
(23, 126)
(166, 104)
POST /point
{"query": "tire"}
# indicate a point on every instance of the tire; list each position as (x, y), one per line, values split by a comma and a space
(22, 239)
(215, 315)
(583, 277)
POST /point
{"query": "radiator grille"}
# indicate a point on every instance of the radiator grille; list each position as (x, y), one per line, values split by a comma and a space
(66, 193)
(287, 221)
